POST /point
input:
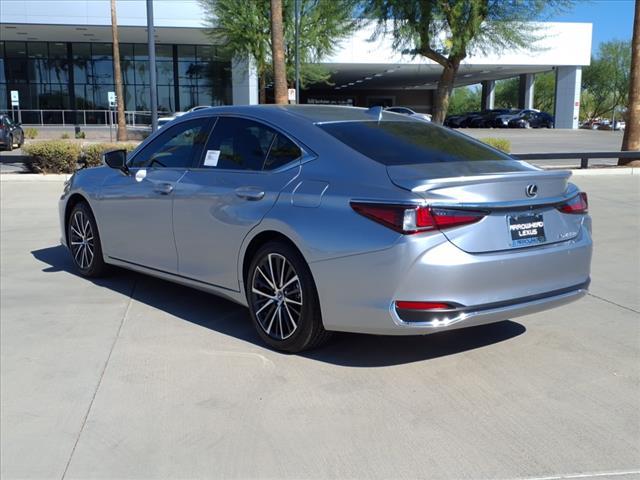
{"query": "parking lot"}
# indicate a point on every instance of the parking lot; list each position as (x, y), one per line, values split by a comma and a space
(134, 377)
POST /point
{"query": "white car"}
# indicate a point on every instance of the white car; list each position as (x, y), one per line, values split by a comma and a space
(407, 111)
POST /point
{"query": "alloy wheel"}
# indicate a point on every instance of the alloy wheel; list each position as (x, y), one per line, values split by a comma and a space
(81, 240)
(276, 296)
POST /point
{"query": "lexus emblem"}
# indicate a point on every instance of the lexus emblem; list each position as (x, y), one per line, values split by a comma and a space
(532, 190)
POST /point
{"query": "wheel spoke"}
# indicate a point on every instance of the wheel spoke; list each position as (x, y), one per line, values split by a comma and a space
(273, 317)
(258, 292)
(294, 279)
(273, 287)
(266, 304)
(273, 277)
(295, 302)
(292, 321)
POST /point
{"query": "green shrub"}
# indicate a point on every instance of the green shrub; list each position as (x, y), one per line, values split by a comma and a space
(64, 136)
(80, 134)
(55, 156)
(30, 133)
(93, 152)
(499, 143)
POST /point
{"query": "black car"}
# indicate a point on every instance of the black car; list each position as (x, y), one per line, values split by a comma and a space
(532, 120)
(11, 133)
(460, 121)
(486, 119)
(502, 121)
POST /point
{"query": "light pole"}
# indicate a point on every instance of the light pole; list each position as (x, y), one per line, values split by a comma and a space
(297, 42)
(151, 40)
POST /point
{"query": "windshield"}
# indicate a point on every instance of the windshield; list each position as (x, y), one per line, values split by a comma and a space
(404, 143)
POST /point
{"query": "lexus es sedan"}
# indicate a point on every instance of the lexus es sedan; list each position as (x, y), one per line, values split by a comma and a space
(325, 218)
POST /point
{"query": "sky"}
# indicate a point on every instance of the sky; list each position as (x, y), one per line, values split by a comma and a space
(611, 19)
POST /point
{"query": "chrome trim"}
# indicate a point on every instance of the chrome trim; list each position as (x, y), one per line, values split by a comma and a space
(480, 317)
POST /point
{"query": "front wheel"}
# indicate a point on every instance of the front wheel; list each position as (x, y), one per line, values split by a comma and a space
(283, 300)
(84, 242)
(10, 143)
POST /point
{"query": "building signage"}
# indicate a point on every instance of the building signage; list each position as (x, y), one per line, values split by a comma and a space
(112, 99)
(291, 92)
(15, 98)
(346, 101)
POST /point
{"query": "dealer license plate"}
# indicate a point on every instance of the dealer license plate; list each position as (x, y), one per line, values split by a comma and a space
(526, 230)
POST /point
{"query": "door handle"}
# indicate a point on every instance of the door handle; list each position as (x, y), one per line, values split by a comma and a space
(249, 193)
(163, 188)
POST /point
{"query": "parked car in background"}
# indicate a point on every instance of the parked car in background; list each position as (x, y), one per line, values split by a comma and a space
(616, 125)
(407, 111)
(502, 121)
(486, 119)
(460, 121)
(532, 120)
(321, 219)
(11, 133)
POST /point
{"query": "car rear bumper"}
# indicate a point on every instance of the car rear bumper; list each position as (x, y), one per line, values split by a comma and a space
(484, 314)
(358, 293)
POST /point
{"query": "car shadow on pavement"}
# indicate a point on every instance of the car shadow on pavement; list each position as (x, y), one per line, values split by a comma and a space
(228, 318)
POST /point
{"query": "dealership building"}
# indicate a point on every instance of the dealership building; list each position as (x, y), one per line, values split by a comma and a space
(57, 56)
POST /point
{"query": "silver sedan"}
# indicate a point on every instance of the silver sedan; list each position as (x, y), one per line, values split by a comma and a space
(322, 219)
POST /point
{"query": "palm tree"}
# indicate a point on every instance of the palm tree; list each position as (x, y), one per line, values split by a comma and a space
(277, 50)
(117, 73)
(631, 139)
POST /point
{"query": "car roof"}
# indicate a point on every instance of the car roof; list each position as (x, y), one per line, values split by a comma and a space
(309, 113)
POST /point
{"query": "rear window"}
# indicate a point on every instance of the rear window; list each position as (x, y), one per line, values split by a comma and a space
(405, 143)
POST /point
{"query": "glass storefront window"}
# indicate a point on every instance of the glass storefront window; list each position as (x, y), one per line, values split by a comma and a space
(143, 98)
(189, 72)
(166, 101)
(16, 70)
(187, 52)
(15, 49)
(102, 72)
(164, 52)
(142, 72)
(126, 51)
(164, 73)
(58, 71)
(188, 97)
(141, 51)
(37, 50)
(81, 51)
(101, 51)
(57, 50)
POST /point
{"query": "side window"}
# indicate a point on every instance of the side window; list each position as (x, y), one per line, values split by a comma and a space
(238, 144)
(178, 147)
(282, 152)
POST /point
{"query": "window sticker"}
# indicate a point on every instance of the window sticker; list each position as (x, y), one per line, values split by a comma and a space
(141, 174)
(211, 160)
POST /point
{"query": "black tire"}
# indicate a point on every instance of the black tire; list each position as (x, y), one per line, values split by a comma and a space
(275, 314)
(10, 143)
(82, 227)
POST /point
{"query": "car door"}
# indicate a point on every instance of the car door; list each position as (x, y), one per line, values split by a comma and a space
(135, 208)
(243, 169)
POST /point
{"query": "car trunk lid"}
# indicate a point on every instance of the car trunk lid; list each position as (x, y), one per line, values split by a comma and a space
(519, 202)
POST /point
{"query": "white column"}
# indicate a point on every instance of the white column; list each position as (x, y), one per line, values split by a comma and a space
(244, 82)
(526, 91)
(568, 83)
(488, 95)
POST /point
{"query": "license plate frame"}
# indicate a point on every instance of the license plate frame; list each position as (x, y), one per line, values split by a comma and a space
(526, 229)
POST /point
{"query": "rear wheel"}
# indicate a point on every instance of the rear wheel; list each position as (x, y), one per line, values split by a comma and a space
(283, 300)
(84, 242)
(10, 143)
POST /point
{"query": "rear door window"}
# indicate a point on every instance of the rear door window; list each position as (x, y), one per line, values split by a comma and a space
(409, 142)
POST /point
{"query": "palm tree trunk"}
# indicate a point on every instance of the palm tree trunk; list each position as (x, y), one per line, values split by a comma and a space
(631, 139)
(277, 53)
(117, 73)
(262, 88)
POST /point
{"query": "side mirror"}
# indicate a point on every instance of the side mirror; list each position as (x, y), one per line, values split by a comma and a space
(116, 159)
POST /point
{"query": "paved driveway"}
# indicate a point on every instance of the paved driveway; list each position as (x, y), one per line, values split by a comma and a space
(132, 377)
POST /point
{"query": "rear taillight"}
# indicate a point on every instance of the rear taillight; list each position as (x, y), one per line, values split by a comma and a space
(577, 205)
(411, 305)
(413, 219)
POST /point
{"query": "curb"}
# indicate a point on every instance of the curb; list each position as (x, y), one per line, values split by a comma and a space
(62, 177)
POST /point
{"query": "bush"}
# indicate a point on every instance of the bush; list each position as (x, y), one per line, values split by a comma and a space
(80, 134)
(30, 133)
(64, 136)
(499, 143)
(93, 152)
(55, 156)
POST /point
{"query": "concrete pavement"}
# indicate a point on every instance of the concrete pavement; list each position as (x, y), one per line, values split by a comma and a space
(133, 377)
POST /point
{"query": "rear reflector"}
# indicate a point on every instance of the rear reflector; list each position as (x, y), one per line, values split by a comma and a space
(413, 219)
(577, 205)
(401, 305)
